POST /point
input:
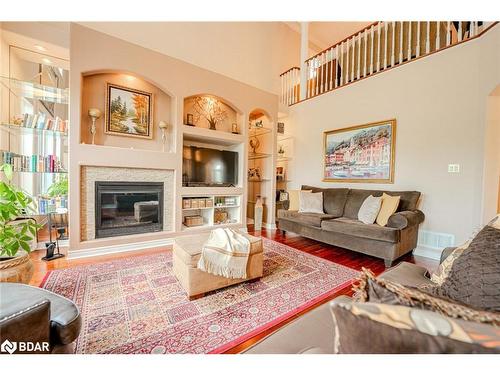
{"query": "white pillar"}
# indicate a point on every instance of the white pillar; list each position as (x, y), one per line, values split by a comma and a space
(304, 52)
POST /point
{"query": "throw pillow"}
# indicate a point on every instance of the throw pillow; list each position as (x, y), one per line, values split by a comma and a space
(369, 209)
(389, 206)
(311, 202)
(368, 288)
(474, 277)
(444, 268)
(293, 197)
(362, 328)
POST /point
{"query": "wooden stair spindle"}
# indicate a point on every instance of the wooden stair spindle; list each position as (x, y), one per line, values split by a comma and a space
(372, 42)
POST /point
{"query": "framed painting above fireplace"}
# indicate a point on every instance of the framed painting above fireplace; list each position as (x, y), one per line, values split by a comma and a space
(362, 153)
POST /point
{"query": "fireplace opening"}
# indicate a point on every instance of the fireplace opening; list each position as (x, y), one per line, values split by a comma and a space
(124, 208)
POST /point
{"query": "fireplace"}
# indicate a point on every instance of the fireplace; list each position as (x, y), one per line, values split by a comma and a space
(123, 208)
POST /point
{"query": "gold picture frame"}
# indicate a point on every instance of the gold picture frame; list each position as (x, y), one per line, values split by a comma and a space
(362, 153)
(140, 99)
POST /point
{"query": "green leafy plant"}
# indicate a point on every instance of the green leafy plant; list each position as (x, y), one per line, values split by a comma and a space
(59, 188)
(14, 234)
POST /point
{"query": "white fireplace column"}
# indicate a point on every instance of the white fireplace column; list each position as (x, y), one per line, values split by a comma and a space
(304, 52)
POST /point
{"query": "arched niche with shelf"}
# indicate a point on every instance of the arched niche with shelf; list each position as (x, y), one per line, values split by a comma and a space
(212, 112)
(132, 121)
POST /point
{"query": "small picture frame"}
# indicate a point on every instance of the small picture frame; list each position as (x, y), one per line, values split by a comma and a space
(190, 119)
(281, 128)
(280, 173)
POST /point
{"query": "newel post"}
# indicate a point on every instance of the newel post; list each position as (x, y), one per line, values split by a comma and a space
(304, 52)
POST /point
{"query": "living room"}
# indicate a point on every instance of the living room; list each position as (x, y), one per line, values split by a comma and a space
(252, 186)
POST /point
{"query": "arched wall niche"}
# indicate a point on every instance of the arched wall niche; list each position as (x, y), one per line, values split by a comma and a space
(200, 108)
(126, 132)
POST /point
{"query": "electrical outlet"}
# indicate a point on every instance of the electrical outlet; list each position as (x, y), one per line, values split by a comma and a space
(453, 168)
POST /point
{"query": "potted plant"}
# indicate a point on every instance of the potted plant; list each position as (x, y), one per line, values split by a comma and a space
(16, 234)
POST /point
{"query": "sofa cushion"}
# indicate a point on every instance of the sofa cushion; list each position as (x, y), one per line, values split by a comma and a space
(369, 209)
(333, 199)
(474, 277)
(311, 219)
(311, 202)
(294, 199)
(311, 330)
(408, 200)
(368, 288)
(395, 329)
(389, 206)
(356, 228)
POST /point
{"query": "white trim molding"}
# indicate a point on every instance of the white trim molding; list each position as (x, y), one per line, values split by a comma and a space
(113, 249)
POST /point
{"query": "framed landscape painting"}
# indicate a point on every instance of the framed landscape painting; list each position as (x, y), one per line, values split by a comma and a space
(129, 112)
(363, 153)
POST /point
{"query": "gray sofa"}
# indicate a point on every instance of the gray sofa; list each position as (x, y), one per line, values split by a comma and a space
(316, 332)
(339, 225)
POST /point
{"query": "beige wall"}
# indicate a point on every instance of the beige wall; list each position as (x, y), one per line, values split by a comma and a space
(440, 106)
(491, 188)
(92, 51)
(255, 53)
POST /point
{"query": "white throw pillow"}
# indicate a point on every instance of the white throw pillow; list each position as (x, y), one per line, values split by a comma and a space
(311, 202)
(369, 210)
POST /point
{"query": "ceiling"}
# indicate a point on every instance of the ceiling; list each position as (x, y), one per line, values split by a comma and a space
(325, 34)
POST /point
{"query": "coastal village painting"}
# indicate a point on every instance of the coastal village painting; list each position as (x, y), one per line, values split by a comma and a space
(363, 153)
(128, 112)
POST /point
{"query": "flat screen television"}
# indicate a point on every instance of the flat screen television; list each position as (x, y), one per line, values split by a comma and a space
(209, 167)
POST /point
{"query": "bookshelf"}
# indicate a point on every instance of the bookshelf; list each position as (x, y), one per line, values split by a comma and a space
(34, 140)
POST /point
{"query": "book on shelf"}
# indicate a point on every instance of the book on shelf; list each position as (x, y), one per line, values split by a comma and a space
(43, 122)
(32, 163)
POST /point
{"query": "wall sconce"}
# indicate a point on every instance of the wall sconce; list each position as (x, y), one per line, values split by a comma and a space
(94, 114)
(163, 128)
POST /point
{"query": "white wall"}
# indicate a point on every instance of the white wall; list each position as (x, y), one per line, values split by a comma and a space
(440, 106)
(255, 53)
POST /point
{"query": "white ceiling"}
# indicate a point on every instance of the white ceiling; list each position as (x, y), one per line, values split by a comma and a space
(325, 34)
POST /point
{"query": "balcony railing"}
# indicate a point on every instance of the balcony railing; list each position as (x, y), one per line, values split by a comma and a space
(376, 48)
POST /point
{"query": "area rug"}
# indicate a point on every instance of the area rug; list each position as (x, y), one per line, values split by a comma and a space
(136, 305)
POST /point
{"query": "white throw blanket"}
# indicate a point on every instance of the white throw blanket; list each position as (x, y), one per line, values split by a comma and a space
(225, 254)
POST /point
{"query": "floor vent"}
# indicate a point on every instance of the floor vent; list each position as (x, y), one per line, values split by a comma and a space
(435, 240)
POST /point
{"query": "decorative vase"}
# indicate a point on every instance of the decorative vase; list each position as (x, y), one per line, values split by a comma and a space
(258, 210)
(18, 269)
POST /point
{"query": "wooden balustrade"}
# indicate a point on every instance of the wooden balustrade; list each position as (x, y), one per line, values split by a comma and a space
(378, 47)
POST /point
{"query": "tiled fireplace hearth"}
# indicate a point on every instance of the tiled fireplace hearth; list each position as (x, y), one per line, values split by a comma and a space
(123, 201)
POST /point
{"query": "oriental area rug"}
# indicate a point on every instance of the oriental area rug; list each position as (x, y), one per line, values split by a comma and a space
(136, 305)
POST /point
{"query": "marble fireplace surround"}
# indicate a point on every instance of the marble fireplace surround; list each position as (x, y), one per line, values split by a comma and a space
(90, 174)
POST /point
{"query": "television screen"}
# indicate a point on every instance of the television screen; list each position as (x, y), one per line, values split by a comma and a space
(209, 167)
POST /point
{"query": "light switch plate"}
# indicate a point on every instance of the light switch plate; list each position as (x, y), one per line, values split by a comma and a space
(453, 168)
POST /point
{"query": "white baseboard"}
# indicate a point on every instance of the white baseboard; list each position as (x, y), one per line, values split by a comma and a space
(428, 252)
(77, 254)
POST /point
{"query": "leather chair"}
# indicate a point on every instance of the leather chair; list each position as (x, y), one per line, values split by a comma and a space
(31, 314)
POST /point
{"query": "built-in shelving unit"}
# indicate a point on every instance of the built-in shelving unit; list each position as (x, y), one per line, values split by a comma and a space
(260, 164)
(284, 143)
(34, 134)
(219, 213)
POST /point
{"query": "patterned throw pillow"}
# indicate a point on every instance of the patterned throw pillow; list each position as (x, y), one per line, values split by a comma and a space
(371, 289)
(401, 329)
(474, 277)
(444, 268)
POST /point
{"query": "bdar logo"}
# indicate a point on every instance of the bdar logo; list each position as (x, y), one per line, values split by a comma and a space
(9, 347)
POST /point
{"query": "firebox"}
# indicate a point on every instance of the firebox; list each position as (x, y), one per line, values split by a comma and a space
(123, 208)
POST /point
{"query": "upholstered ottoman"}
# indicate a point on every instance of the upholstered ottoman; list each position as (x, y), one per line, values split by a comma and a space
(187, 252)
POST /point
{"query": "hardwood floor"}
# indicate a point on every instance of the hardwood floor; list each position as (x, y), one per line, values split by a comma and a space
(345, 257)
